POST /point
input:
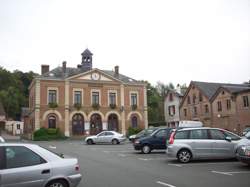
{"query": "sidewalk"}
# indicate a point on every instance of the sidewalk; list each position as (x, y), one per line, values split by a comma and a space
(8, 137)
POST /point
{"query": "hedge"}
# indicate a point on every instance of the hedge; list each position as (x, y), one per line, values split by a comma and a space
(132, 131)
(44, 134)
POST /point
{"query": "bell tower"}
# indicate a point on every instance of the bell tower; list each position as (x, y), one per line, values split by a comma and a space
(86, 60)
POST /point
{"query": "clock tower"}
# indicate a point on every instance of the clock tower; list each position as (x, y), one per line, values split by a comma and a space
(86, 60)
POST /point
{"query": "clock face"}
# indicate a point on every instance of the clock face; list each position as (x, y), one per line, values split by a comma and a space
(95, 76)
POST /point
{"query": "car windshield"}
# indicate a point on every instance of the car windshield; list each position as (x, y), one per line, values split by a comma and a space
(247, 135)
(246, 129)
(232, 135)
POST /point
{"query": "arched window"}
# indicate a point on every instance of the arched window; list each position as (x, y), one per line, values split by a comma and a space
(134, 121)
(113, 123)
(52, 122)
(78, 124)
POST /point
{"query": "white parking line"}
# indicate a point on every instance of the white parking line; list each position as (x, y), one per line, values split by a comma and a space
(116, 151)
(165, 184)
(230, 173)
(147, 159)
(52, 147)
(208, 163)
(122, 155)
(177, 165)
(222, 173)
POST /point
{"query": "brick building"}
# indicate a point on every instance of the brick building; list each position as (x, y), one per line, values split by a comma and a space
(217, 105)
(84, 100)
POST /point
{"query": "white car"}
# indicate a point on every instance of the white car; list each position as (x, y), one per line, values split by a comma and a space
(106, 137)
(1, 139)
(29, 165)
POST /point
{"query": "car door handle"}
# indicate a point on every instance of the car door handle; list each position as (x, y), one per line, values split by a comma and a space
(46, 171)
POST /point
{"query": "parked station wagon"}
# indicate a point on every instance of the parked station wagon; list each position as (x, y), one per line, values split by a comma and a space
(202, 143)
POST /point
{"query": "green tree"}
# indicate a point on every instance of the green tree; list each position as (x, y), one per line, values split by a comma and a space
(11, 99)
(14, 92)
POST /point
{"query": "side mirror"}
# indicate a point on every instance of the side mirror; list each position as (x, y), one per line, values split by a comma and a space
(228, 138)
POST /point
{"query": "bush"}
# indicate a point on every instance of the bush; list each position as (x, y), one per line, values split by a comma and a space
(40, 132)
(157, 124)
(132, 131)
(52, 131)
(47, 134)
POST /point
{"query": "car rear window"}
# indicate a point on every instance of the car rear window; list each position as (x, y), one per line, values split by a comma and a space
(182, 135)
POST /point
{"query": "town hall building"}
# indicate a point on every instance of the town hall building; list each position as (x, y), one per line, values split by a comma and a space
(85, 100)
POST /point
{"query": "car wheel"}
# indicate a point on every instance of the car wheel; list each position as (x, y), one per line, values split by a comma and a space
(115, 141)
(184, 156)
(90, 142)
(146, 149)
(57, 183)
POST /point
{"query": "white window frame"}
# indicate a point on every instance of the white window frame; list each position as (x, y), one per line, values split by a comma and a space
(115, 92)
(77, 90)
(57, 94)
(130, 100)
(96, 90)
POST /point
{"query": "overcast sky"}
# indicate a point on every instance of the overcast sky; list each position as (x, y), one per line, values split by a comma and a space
(155, 40)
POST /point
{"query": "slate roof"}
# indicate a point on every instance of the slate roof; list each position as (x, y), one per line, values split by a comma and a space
(58, 74)
(209, 89)
(87, 52)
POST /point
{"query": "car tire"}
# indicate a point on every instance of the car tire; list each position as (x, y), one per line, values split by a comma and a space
(184, 156)
(90, 142)
(57, 183)
(115, 142)
(146, 149)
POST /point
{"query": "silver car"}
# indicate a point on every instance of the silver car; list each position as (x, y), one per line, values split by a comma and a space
(1, 139)
(202, 143)
(106, 137)
(28, 165)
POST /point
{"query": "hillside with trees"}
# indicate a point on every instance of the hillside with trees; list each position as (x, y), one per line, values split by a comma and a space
(14, 92)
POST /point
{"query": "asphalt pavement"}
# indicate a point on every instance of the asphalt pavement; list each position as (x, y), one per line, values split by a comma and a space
(121, 166)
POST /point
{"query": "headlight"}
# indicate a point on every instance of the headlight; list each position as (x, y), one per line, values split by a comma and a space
(246, 150)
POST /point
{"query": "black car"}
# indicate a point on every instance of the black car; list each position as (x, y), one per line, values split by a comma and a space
(143, 133)
(156, 140)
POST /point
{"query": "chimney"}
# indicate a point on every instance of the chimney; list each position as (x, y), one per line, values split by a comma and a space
(64, 66)
(178, 88)
(116, 71)
(44, 69)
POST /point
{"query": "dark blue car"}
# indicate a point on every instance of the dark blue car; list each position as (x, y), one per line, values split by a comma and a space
(157, 140)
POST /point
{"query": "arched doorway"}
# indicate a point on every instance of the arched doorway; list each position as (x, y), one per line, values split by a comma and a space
(52, 121)
(113, 123)
(77, 124)
(95, 124)
(134, 121)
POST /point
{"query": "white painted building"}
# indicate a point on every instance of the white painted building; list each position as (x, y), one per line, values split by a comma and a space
(14, 127)
(171, 108)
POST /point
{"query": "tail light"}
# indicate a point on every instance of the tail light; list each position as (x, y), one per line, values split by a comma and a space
(171, 139)
(77, 167)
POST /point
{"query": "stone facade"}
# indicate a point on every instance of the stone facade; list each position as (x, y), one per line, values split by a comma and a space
(86, 100)
(217, 105)
(229, 111)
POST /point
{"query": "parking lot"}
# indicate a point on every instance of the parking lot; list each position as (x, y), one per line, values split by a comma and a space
(120, 165)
